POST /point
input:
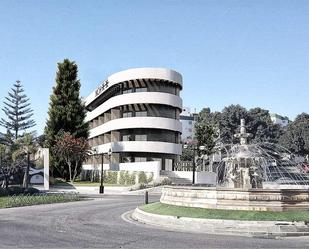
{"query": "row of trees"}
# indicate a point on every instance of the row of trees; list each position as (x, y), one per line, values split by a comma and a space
(213, 127)
(65, 132)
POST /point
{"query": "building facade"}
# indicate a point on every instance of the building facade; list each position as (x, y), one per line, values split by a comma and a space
(280, 120)
(188, 119)
(134, 120)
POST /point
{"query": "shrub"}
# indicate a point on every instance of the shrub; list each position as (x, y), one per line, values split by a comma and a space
(110, 177)
(142, 177)
(122, 177)
(150, 178)
(15, 190)
(130, 178)
(166, 181)
(31, 191)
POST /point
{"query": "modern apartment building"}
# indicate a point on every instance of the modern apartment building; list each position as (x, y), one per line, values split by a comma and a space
(134, 120)
(187, 119)
(280, 120)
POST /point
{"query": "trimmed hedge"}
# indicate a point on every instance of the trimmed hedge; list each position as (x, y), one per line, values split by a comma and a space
(15, 190)
(117, 177)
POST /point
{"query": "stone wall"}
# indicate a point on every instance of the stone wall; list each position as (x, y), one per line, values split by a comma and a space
(237, 199)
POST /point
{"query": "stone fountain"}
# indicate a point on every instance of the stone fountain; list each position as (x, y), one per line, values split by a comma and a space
(259, 177)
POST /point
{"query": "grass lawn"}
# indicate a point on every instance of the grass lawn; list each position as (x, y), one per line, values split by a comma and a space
(3, 202)
(164, 209)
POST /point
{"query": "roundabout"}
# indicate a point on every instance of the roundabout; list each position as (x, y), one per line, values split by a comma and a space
(260, 191)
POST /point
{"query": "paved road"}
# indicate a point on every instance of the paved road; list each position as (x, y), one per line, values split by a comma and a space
(98, 224)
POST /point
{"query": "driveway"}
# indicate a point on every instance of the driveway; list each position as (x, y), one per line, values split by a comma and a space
(97, 223)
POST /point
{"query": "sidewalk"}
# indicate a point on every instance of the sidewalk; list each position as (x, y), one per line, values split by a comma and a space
(93, 190)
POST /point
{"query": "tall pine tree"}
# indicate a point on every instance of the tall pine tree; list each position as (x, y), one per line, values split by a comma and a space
(17, 110)
(66, 112)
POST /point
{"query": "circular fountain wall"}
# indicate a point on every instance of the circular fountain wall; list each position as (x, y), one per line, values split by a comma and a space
(260, 177)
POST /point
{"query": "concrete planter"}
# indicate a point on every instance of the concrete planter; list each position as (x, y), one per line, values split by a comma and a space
(237, 199)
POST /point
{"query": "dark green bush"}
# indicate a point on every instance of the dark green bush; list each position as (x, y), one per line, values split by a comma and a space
(31, 191)
(16, 190)
(142, 178)
(111, 177)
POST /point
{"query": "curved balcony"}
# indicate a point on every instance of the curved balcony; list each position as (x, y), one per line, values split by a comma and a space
(138, 73)
(140, 146)
(136, 98)
(136, 122)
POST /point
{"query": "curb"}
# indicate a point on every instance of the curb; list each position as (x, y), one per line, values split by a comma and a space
(265, 229)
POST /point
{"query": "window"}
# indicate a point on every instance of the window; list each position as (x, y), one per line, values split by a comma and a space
(127, 159)
(140, 159)
(141, 89)
(141, 114)
(127, 137)
(140, 137)
(130, 90)
(127, 114)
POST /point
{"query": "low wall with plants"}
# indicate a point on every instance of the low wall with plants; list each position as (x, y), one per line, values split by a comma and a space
(121, 177)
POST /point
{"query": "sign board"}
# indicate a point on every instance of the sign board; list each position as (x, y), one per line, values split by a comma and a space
(101, 88)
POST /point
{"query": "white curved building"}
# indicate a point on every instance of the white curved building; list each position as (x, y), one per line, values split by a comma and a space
(135, 115)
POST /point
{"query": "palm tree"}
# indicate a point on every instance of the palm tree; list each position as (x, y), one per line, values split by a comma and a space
(27, 145)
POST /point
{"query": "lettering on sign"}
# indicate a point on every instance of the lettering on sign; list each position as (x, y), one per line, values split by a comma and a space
(101, 88)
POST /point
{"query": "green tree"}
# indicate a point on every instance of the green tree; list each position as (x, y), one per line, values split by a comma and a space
(73, 151)
(66, 112)
(206, 130)
(296, 136)
(205, 136)
(27, 145)
(223, 126)
(259, 124)
(230, 121)
(3, 165)
(17, 110)
(187, 154)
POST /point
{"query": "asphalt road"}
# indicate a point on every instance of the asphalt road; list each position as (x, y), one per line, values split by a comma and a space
(98, 224)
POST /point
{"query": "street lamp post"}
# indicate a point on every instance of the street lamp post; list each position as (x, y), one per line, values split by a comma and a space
(102, 175)
(194, 166)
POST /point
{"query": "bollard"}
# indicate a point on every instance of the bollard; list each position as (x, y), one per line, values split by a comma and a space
(146, 197)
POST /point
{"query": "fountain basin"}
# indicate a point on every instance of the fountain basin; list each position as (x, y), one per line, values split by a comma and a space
(237, 199)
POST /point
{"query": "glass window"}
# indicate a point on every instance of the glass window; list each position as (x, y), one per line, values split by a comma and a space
(140, 137)
(141, 114)
(127, 159)
(127, 137)
(130, 90)
(140, 159)
(127, 114)
(141, 89)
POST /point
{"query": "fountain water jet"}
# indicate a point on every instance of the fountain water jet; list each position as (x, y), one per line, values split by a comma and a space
(259, 177)
(263, 165)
